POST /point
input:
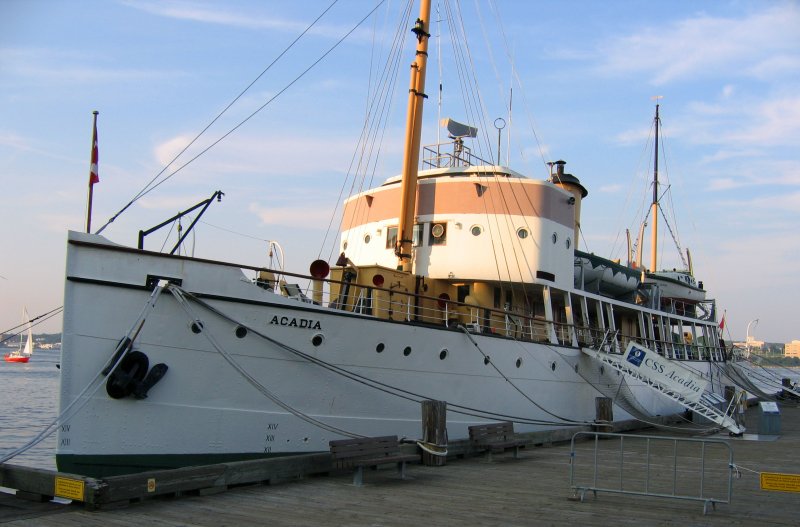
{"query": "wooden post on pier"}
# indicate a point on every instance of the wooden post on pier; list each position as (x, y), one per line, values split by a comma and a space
(434, 430)
(604, 414)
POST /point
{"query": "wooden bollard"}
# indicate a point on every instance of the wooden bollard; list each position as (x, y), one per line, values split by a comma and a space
(604, 414)
(434, 430)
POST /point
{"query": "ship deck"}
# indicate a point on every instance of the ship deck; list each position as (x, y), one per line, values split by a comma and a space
(532, 490)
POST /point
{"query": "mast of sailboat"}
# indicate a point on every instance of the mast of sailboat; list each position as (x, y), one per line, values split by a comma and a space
(654, 206)
(416, 94)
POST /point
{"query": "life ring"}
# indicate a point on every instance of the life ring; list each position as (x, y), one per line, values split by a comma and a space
(130, 372)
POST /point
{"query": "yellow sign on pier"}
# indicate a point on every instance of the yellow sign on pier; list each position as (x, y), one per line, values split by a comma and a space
(69, 488)
(780, 482)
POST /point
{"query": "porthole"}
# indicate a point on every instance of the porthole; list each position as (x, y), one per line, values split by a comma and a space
(367, 238)
(569, 243)
(555, 237)
(602, 370)
(437, 230)
(241, 332)
(197, 327)
(317, 339)
(519, 362)
(522, 233)
(407, 351)
(553, 366)
(486, 360)
(443, 354)
(344, 246)
(476, 230)
(380, 347)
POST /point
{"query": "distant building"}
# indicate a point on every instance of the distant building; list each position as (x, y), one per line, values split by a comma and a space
(792, 349)
(751, 344)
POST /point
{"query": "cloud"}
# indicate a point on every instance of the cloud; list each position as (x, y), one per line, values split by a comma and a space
(755, 45)
(743, 122)
(775, 203)
(742, 126)
(262, 154)
(775, 66)
(763, 173)
(728, 90)
(725, 183)
(611, 189)
(726, 154)
(635, 136)
(58, 67)
(170, 203)
(772, 122)
(226, 16)
(311, 217)
(13, 141)
(166, 151)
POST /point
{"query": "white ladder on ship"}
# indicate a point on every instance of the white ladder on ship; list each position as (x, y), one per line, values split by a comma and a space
(703, 407)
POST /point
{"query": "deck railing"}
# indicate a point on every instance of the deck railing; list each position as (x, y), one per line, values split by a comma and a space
(386, 303)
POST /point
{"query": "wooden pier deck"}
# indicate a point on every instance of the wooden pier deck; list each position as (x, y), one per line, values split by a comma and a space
(532, 490)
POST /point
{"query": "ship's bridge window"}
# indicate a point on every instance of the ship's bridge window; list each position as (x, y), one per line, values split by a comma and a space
(438, 234)
(463, 292)
(391, 236)
(417, 236)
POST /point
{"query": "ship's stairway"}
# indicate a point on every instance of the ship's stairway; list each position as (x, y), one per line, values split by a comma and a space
(706, 406)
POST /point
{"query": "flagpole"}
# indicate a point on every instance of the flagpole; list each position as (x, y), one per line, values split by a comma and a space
(93, 173)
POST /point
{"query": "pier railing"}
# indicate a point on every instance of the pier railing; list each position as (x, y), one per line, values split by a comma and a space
(661, 467)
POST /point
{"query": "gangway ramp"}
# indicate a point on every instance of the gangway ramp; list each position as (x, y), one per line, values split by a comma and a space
(667, 377)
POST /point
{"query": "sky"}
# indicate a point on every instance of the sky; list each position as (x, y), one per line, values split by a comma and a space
(581, 78)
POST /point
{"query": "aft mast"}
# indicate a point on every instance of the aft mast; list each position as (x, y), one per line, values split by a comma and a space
(416, 94)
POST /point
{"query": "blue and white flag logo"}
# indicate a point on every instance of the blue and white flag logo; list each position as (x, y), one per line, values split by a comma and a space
(635, 356)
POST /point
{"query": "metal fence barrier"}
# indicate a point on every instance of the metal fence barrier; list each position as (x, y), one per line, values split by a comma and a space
(640, 465)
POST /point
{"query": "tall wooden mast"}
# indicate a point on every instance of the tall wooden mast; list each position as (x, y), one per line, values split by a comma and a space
(654, 206)
(416, 95)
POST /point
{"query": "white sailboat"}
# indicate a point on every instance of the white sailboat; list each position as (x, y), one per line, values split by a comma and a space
(203, 361)
(25, 350)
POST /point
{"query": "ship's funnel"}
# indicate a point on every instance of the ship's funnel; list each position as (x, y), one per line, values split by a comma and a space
(573, 185)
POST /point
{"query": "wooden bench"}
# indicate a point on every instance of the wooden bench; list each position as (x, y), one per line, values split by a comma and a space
(369, 452)
(495, 437)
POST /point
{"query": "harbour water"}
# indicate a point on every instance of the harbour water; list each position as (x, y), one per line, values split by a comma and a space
(29, 403)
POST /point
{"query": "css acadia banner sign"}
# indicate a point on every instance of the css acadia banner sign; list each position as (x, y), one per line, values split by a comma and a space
(667, 373)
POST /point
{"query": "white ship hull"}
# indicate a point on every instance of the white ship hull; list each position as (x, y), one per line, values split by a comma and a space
(204, 410)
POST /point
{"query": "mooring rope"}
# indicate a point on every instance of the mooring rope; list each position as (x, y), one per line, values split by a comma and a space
(489, 361)
(90, 389)
(372, 383)
(182, 301)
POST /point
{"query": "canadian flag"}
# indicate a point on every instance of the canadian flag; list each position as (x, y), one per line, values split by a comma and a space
(94, 176)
